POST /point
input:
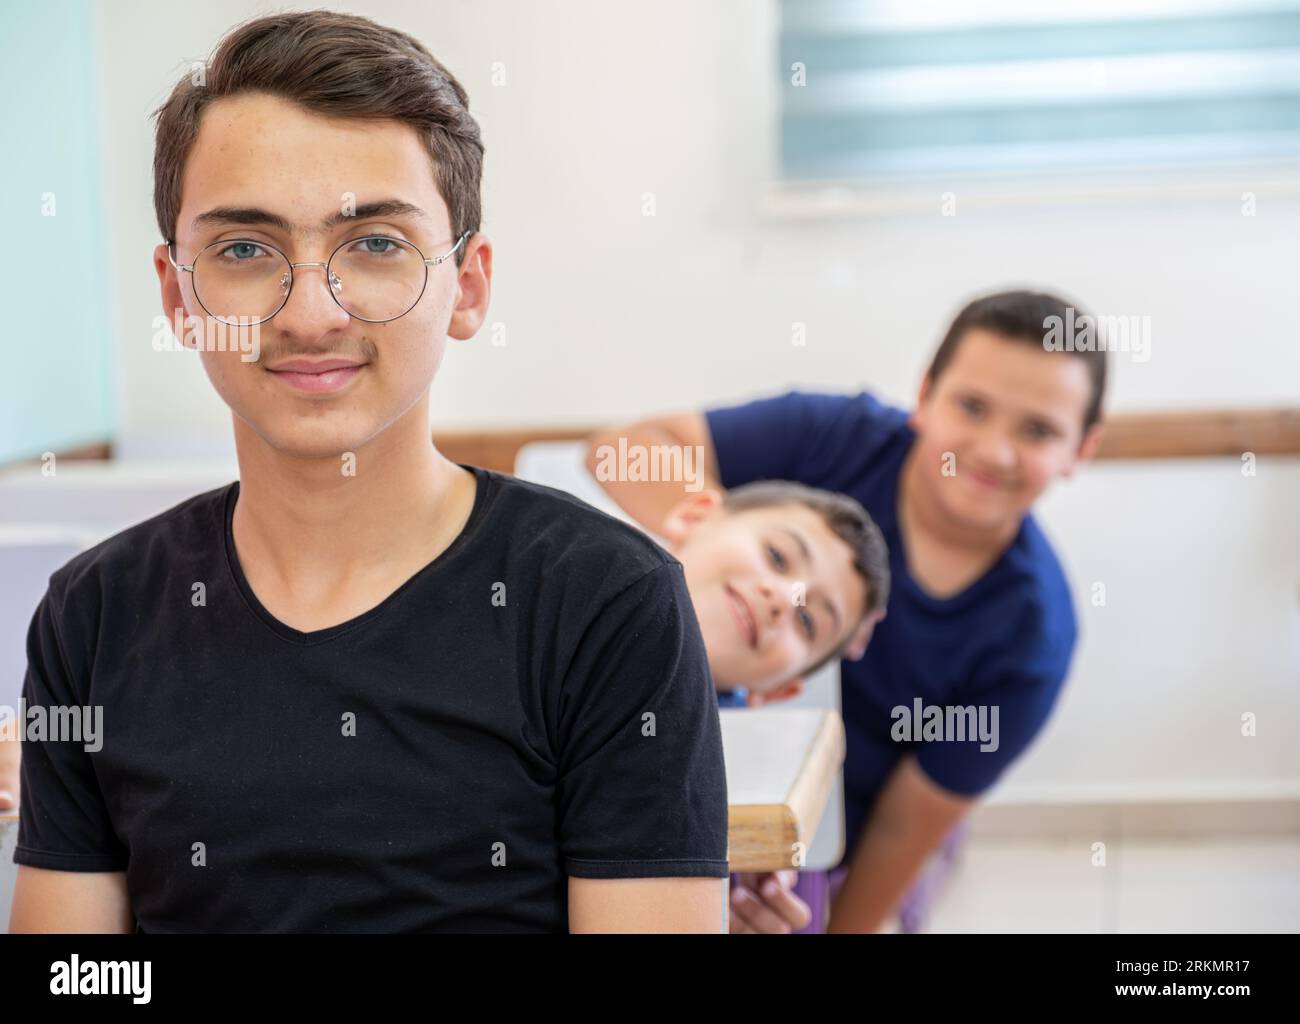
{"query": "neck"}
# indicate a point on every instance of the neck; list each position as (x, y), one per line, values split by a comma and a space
(919, 511)
(315, 519)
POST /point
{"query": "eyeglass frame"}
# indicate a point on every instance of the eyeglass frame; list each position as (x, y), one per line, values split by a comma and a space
(428, 262)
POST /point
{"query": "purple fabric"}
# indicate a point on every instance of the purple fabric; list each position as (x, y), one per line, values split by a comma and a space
(819, 888)
(917, 904)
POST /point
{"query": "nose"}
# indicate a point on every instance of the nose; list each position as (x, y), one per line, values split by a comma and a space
(311, 309)
(996, 449)
(771, 606)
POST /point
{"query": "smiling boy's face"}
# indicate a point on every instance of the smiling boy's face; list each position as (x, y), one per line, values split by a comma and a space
(742, 570)
(256, 151)
(1009, 418)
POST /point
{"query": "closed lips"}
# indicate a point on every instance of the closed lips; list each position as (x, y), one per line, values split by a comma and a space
(987, 479)
(325, 377)
(305, 366)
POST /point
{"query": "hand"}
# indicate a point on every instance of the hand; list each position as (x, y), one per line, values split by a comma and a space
(766, 904)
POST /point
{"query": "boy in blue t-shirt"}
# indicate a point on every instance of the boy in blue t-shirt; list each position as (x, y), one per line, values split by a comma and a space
(966, 667)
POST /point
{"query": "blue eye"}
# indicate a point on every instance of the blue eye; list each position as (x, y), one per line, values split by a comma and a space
(778, 559)
(369, 244)
(809, 626)
(243, 256)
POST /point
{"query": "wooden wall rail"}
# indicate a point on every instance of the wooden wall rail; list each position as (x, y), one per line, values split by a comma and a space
(1135, 435)
(1201, 433)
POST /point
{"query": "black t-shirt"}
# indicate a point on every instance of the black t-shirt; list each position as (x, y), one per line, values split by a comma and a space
(533, 704)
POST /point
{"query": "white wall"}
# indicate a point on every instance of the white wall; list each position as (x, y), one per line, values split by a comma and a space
(609, 314)
(1201, 624)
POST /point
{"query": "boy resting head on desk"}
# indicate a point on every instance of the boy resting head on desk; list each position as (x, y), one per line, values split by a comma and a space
(784, 578)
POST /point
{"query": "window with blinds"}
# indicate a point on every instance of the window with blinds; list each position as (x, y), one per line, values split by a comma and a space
(887, 89)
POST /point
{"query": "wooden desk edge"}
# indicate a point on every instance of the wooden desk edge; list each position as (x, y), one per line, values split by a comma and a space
(763, 837)
(811, 790)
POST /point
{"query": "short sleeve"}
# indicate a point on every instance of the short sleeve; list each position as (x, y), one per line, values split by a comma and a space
(1012, 701)
(641, 786)
(63, 821)
(814, 439)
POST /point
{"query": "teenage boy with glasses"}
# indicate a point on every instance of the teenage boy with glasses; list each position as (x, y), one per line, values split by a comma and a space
(363, 688)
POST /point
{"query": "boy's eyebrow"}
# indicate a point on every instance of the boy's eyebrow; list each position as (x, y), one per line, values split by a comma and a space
(253, 215)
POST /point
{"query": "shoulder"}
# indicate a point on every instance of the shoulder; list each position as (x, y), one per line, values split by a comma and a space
(139, 557)
(869, 408)
(573, 542)
(862, 407)
(822, 439)
(849, 439)
(875, 424)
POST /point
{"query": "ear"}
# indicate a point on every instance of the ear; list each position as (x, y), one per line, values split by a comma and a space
(473, 288)
(1087, 449)
(790, 688)
(857, 643)
(173, 302)
(688, 513)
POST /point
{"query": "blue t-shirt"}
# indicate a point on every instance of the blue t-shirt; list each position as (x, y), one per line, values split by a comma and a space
(1005, 641)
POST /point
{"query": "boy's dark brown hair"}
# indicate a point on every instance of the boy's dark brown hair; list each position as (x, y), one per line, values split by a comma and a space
(339, 65)
(846, 518)
(1023, 316)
